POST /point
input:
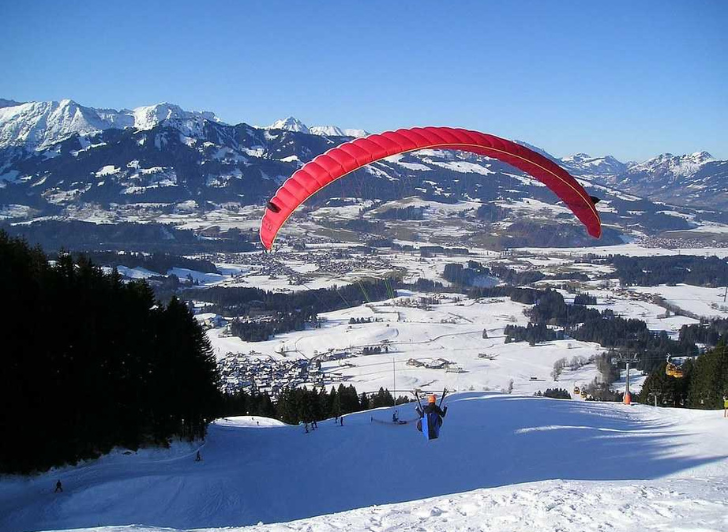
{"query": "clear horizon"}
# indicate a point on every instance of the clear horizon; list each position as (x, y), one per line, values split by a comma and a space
(628, 80)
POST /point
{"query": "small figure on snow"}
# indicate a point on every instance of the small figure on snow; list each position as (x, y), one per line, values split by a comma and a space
(59, 487)
(395, 417)
(341, 419)
(305, 426)
(725, 406)
(431, 417)
(198, 458)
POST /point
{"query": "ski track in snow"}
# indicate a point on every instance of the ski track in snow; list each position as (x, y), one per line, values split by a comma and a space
(503, 462)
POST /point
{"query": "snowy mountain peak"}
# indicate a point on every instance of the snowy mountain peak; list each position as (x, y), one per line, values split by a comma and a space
(577, 157)
(39, 124)
(150, 116)
(701, 157)
(535, 148)
(334, 131)
(358, 133)
(674, 165)
(290, 124)
(585, 165)
(327, 131)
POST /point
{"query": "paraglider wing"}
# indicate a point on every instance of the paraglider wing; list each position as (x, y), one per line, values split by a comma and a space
(350, 156)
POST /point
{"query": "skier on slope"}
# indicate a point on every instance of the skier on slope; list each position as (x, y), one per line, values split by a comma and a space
(433, 415)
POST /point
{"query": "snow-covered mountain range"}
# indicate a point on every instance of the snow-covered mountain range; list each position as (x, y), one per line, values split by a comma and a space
(56, 156)
(293, 124)
(583, 164)
(695, 179)
(37, 125)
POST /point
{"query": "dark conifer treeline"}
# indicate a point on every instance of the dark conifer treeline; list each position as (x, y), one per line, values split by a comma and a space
(527, 296)
(90, 363)
(287, 312)
(707, 332)
(296, 405)
(407, 213)
(260, 331)
(531, 333)
(588, 325)
(156, 262)
(554, 393)
(688, 269)
(585, 299)
(240, 301)
(467, 276)
(623, 335)
(704, 384)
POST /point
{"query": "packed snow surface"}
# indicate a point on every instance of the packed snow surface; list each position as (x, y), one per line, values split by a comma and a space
(503, 462)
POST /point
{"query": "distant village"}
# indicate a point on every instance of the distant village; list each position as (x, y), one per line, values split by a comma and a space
(254, 372)
(243, 373)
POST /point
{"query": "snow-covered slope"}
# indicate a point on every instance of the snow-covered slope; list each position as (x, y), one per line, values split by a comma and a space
(534, 464)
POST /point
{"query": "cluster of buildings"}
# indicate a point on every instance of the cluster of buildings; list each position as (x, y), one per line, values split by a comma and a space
(678, 243)
(330, 261)
(241, 372)
(438, 363)
(254, 375)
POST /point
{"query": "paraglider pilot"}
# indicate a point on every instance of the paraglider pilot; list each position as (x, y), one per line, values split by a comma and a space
(431, 418)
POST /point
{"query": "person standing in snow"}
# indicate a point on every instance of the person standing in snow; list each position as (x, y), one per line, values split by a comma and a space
(434, 415)
(59, 487)
(725, 406)
(198, 458)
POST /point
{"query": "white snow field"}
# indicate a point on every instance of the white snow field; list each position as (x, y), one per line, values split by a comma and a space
(503, 462)
(451, 330)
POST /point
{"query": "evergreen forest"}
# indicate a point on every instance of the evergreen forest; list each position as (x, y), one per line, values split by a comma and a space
(90, 362)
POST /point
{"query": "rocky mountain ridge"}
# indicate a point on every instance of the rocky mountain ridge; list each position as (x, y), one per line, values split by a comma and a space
(162, 157)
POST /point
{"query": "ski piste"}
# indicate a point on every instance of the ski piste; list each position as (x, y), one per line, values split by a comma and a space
(530, 461)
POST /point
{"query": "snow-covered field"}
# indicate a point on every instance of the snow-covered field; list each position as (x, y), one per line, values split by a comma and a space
(503, 462)
(705, 302)
(451, 330)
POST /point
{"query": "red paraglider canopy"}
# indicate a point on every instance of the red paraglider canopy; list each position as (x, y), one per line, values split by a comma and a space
(347, 157)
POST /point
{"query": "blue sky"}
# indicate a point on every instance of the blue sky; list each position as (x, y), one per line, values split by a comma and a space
(627, 78)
